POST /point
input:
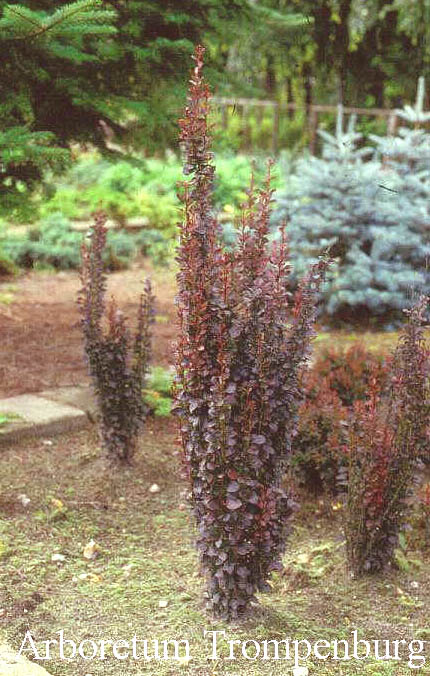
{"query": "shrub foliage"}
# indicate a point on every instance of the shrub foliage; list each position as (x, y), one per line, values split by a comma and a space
(336, 380)
(238, 363)
(318, 449)
(387, 437)
(117, 363)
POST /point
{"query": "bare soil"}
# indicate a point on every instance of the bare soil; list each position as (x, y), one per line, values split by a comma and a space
(40, 334)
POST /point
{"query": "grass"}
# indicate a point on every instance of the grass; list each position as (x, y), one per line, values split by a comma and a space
(374, 341)
(7, 293)
(6, 418)
(145, 578)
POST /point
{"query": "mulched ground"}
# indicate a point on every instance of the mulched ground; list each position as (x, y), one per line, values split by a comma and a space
(40, 335)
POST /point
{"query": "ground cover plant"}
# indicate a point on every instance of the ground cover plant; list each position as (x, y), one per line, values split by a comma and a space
(240, 350)
(118, 364)
(54, 243)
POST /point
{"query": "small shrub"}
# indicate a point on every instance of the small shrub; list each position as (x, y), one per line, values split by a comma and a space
(239, 356)
(386, 440)
(51, 243)
(336, 380)
(349, 371)
(318, 450)
(117, 364)
(160, 211)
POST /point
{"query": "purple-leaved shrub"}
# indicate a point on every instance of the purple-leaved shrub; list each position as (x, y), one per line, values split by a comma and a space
(387, 438)
(117, 362)
(240, 351)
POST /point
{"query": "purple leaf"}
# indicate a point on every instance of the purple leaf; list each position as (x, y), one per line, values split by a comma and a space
(233, 487)
(233, 503)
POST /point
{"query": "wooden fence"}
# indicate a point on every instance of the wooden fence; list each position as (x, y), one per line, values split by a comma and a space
(242, 106)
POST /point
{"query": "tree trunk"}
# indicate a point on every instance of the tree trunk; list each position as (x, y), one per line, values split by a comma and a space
(342, 48)
(270, 84)
(290, 95)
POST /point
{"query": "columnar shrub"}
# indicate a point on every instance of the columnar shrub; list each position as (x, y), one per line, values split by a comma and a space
(239, 355)
(117, 362)
(387, 437)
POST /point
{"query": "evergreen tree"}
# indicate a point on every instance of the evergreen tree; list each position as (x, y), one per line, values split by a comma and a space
(407, 157)
(408, 153)
(155, 40)
(377, 231)
(39, 98)
(90, 68)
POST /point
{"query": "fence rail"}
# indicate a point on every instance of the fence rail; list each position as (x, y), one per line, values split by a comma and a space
(242, 105)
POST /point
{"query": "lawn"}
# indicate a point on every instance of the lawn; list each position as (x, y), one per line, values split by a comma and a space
(145, 578)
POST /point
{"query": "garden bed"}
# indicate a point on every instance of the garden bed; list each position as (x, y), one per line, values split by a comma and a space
(42, 341)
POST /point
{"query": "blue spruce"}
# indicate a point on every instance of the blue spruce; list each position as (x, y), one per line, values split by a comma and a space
(374, 216)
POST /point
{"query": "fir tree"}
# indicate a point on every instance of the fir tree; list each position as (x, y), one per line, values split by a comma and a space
(71, 74)
(39, 52)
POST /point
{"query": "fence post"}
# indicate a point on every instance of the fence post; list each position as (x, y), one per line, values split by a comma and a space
(392, 123)
(246, 128)
(313, 125)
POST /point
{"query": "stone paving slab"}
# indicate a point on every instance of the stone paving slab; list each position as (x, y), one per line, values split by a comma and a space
(12, 664)
(38, 416)
(80, 396)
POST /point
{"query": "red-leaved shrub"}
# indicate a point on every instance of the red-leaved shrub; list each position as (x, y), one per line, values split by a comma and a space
(318, 451)
(348, 372)
(386, 440)
(335, 381)
(117, 362)
(239, 356)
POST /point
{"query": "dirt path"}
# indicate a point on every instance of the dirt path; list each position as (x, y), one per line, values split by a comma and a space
(40, 336)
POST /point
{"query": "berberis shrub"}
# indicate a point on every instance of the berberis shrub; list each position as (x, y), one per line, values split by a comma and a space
(117, 363)
(336, 380)
(239, 357)
(318, 455)
(387, 438)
